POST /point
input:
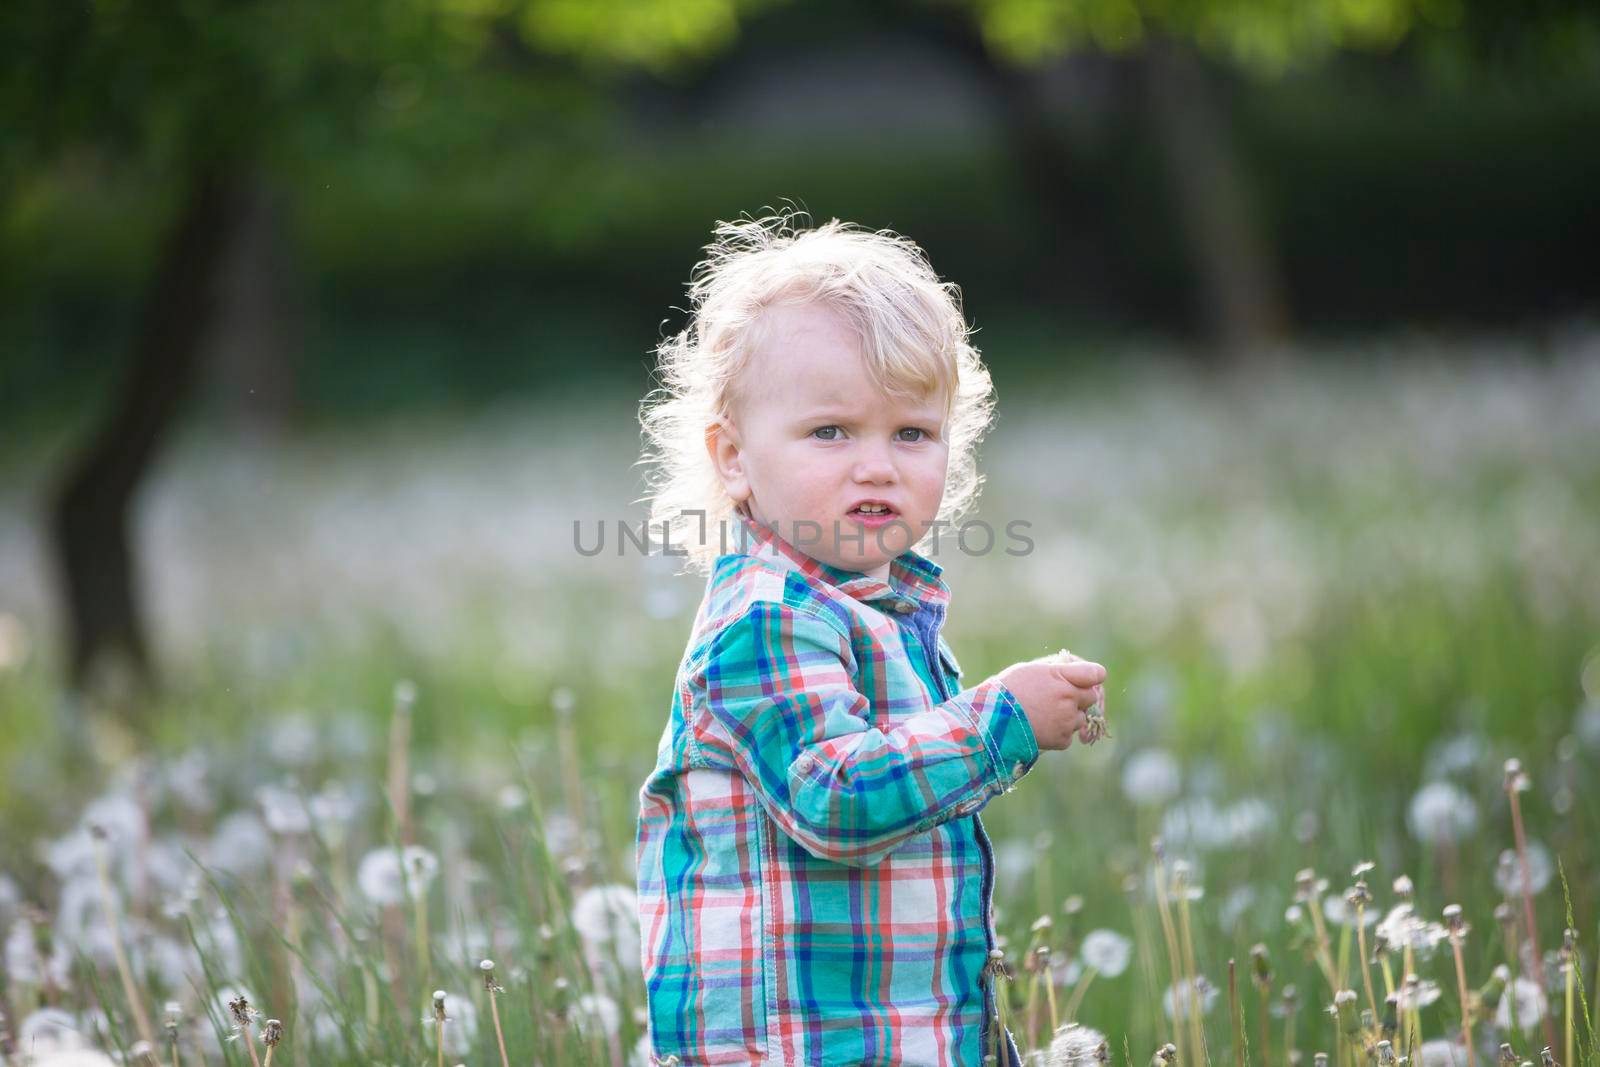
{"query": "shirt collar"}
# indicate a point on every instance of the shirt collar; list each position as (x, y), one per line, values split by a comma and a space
(914, 579)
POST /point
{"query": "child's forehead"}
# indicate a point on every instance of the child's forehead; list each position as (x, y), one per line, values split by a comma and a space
(810, 358)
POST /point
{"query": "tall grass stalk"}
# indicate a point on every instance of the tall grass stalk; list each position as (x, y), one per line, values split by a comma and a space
(1192, 974)
(1173, 956)
(108, 905)
(1575, 979)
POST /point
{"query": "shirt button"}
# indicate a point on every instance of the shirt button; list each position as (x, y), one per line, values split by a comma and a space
(1016, 772)
(803, 765)
(905, 607)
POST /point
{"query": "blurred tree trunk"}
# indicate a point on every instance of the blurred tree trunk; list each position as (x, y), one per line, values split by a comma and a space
(1239, 281)
(91, 511)
(262, 315)
(1082, 264)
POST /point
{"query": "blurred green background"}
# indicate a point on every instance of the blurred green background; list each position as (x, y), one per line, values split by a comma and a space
(323, 324)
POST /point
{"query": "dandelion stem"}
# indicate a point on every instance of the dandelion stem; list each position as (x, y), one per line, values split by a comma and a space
(1195, 1032)
(1031, 1013)
(1407, 1013)
(420, 926)
(1361, 947)
(500, 1034)
(1324, 958)
(1236, 1015)
(1050, 995)
(1527, 903)
(1077, 996)
(1466, 1006)
(268, 1061)
(1266, 1027)
(1172, 952)
(107, 904)
(1342, 969)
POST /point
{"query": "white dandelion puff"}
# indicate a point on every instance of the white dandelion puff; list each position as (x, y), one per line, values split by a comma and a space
(48, 1031)
(80, 1057)
(1151, 777)
(1075, 1045)
(1441, 1053)
(1336, 910)
(1106, 951)
(606, 918)
(596, 1015)
(461, 1024)
(1440, 813)
(284, 810)
(382, 880)
(1414, 995)
(1182, 995)
(1508, 873)
(1531, 1005)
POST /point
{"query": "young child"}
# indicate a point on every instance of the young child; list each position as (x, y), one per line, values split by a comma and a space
(814, 883)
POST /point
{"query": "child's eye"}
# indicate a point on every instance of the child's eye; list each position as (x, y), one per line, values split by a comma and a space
(921, 434)
(825, 433)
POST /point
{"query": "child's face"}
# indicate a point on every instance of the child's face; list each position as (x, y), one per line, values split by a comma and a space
(810, 438)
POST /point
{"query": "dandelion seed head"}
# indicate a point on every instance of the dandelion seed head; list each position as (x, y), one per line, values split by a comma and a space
(1530, 1004)
(1075, 1045)
(49, 1030)
(382, 881)
(597, 1015)
(283, 810)
(1441, 813)
(1508, 872)
(1106, 951)
(1182, 996)
(1340, 912)
(1516, 779)
(1441, 1053)
(1416, 993)
(1151, 777)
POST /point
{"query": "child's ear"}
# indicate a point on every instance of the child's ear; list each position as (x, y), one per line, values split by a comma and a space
(723, 446)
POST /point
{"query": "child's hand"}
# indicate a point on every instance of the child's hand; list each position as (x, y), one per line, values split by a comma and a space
(1055, 695)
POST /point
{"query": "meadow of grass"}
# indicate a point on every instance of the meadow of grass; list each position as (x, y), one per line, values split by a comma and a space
(406, 724)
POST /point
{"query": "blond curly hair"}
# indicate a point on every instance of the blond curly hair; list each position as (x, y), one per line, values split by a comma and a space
(914, 339)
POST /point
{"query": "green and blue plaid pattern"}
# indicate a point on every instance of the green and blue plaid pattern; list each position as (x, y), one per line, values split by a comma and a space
(814, 883)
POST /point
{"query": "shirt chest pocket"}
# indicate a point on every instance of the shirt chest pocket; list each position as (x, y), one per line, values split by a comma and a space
(950, 667)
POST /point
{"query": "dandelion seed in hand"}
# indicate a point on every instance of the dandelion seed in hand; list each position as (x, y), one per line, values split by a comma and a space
(1095, 716)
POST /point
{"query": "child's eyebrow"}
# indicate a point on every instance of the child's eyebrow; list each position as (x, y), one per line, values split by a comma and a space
(842, 415)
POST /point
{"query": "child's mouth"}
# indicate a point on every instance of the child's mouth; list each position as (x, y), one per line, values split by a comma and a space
(872, 517)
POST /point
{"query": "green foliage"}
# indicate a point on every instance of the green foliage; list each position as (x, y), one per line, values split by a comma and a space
(1269, 38)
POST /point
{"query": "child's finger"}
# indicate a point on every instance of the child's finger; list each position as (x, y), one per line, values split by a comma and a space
(1082, 673)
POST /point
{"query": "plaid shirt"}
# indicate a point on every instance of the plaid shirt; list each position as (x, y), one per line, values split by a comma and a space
(814, 883)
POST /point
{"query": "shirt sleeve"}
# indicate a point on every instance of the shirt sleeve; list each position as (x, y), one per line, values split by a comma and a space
(778, 683)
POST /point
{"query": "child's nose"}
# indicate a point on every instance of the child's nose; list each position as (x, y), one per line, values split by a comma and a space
(874, 465)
